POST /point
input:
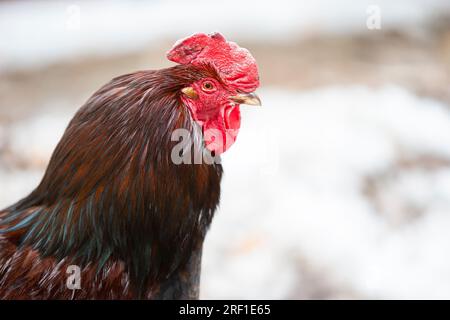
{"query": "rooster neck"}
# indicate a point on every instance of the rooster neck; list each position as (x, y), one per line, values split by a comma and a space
(111, 191)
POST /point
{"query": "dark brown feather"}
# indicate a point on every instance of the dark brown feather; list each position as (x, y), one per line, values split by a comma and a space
(112, 201)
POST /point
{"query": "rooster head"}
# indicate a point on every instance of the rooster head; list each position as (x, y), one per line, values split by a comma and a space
(214, 101)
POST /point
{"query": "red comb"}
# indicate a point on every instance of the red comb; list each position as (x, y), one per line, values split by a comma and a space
(235, 65)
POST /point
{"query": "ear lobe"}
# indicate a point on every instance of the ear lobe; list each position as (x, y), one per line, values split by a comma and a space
(190, 92)
(188, 49)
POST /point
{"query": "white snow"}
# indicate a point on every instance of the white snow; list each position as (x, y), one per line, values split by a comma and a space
(46, 130)
(16, 184)
(292, 195)
(312, 207)
(35, 33)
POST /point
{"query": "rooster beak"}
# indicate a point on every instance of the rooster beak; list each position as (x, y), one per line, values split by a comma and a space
(247, 98)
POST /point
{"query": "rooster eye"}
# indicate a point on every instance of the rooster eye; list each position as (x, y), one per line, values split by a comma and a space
(208, 86)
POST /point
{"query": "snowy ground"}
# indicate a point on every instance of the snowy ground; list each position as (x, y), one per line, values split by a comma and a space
(311, 216)
(336, 192)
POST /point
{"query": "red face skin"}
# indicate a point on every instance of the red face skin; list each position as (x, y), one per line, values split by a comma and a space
(219, 117)
(212, 108)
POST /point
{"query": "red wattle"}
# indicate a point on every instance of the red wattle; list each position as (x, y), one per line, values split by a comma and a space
(220, 133)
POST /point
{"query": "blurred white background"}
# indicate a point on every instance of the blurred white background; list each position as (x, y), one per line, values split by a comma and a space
(339, 187)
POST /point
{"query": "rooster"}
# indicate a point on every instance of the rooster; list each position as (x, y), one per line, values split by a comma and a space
(117, 215)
